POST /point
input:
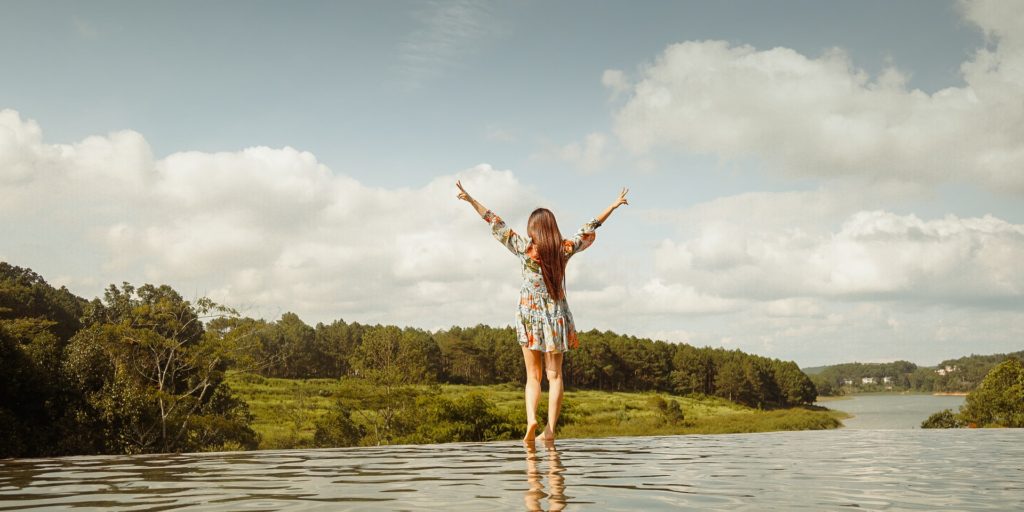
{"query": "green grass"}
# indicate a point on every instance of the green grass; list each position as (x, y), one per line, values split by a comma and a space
(286, 410)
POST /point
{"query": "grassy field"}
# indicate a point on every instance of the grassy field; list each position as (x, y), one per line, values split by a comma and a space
(286, 410)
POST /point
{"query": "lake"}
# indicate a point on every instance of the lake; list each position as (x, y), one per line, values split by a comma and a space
(810, 470)
(885, 411)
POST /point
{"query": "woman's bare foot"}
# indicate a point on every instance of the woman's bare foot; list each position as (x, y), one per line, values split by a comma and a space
(531, 432)
(547, 436)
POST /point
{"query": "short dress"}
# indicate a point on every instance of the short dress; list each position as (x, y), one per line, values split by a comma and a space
(542, 323)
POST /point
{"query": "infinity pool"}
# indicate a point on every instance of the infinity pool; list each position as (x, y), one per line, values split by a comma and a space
(814, 470)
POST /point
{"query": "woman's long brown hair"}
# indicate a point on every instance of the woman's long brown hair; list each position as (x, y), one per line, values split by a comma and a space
(543, 229)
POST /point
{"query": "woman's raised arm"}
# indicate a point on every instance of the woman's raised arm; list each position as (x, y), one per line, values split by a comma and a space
(585, 236)
(504, 234)
(480, 209)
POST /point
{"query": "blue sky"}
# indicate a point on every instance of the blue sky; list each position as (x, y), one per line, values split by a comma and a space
(862, 141)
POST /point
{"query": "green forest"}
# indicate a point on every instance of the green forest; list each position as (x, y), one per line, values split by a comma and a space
(958, 375)
(143, 370)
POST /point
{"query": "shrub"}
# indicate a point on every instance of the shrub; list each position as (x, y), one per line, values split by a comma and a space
(337, 429)
(943, 419)
(672, 412)
(467, 418)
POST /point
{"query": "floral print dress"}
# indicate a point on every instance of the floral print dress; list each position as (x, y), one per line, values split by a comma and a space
(542, 323)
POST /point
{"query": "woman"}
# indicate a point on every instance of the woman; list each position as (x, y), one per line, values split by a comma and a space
(544, 323)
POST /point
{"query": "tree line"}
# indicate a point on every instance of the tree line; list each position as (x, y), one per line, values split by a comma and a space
(966, 374)
(142, 370)
(490, 355)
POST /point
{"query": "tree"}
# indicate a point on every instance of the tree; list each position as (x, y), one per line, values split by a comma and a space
(761, 389)
(795, 387)
(824, 386)
(731, 383)
(693, 371)
(151, 379)
(419, 356)
(337, 342)
(26, 298)
(999, 400)
(381, 360)
(36, 321)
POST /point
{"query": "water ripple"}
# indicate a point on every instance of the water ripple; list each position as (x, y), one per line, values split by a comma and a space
(823, 470)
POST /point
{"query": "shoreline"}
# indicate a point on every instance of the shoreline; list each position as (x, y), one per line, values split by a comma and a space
(830, 398)
(833, 398)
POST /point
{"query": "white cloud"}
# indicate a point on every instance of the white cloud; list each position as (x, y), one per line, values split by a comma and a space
(615, 80)
(589, 156)
(268, 229)
(874, 255)
(824, 117)
(806, 209)
(652, 298)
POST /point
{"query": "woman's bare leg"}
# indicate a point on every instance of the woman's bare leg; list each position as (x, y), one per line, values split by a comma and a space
(553, 367)
(534, 362)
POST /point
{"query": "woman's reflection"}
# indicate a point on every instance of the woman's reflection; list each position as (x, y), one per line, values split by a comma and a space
(556, 481)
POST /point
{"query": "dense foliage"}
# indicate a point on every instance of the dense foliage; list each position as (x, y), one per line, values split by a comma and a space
(36, 321)
(135, 372)
(997, 402)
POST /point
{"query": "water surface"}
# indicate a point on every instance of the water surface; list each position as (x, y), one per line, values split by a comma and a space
(883, 411)
(813, 470)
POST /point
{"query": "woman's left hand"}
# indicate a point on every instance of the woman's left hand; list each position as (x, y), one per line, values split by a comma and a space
(622, 198)
(462, 192)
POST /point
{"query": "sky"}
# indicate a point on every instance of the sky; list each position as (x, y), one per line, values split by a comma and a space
(821, 182)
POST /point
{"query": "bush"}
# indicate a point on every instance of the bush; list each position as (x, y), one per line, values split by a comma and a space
(337, 429)
(657, 402)
(467, 418)
(672, 412)
(943, 419)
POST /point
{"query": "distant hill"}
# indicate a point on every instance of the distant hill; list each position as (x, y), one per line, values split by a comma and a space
(962, 374)
(814, 370)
